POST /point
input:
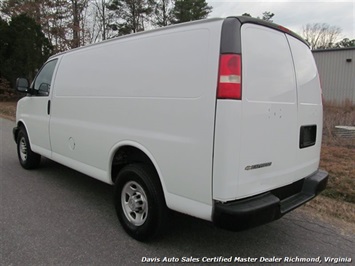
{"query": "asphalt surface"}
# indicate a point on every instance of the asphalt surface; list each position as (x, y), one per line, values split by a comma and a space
(57, 216)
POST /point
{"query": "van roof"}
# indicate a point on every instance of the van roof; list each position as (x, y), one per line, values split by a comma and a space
(202, 21)
(246, 19)
(241, 19)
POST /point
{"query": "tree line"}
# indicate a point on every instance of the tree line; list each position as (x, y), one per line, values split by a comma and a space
(317, 35)
(72, 23)
(325, 36)
(32, 30)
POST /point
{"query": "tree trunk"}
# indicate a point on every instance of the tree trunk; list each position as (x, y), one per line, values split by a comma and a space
(76, 24)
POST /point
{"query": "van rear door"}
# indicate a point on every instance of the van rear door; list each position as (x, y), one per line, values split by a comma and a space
(270, 136)
(310, 109)
(269, 127)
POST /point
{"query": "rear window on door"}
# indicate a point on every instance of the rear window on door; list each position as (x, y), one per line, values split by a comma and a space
(267, 67)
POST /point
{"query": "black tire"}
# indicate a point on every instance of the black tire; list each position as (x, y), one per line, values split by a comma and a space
(28, 159)
(139, 202)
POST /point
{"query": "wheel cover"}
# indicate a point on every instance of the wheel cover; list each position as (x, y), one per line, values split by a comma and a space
(134, 203)
(23, 149)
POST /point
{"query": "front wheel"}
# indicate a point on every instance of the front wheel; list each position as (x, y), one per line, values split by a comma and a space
(28, 159)
(139, 202)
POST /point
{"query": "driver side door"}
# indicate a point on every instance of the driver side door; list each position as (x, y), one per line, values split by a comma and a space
(36, 110)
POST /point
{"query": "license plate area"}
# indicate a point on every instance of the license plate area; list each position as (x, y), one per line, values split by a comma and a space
(308, 135)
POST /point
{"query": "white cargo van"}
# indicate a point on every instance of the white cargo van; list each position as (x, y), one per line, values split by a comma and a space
(220, 119)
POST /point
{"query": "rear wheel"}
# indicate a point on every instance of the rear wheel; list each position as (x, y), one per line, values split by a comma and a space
(139, 202)
(28, 159)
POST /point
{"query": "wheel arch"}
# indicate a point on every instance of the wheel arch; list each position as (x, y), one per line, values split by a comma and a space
(128, 152)
(20, 124)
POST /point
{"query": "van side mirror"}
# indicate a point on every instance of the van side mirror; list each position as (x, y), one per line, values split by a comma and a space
(22, 85)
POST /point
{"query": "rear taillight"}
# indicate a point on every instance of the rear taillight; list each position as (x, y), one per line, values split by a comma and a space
(230, 77)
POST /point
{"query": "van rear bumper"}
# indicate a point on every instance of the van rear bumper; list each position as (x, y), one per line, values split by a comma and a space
(257, 210)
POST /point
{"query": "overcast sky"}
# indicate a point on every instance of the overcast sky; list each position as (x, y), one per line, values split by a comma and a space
(293, 14)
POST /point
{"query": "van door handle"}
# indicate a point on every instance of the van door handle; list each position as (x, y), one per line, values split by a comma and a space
(49, 107)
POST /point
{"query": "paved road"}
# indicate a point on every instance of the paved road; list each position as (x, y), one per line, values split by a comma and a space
(56, 216)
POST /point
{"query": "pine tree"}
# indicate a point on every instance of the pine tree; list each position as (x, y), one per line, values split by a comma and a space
(162, 13)
(267, 16)
(24, 50)
(132, 15)
(61, 20)
(189, 10)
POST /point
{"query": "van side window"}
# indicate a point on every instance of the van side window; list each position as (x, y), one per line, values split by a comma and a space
(43, 80)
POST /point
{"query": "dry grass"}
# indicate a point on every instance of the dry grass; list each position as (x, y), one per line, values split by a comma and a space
(8, 110)
(337, 157)
(337, 116)
(340, 164)
(338, 153)
(332, 208)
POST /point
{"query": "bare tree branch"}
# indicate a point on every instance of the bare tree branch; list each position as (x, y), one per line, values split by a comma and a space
(321, 35)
